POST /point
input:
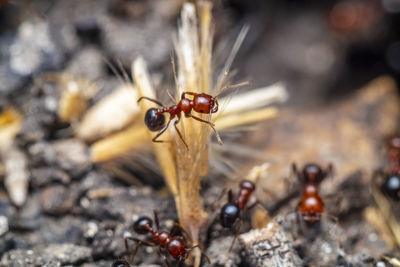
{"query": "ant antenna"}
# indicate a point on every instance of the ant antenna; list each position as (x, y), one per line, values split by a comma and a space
(174, 70)
(232, 86)
(114, 70)
(124, 73)
(231, 57)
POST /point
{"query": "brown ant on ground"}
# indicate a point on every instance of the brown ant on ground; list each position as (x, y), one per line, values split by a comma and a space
(390, 185)
(200, 103)
(231, 212)
(311, 206)
(167, 243)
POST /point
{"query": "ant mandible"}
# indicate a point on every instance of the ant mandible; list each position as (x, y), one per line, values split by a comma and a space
(231, 211)
(175, 246)
(200, 103)
(311, 206)
(391, 183)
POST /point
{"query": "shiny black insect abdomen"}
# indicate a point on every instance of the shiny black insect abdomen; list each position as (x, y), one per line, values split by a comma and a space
(229, 214)
(391, 186)
(153, 120)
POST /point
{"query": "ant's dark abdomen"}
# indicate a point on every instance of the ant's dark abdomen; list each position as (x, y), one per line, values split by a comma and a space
(229, 213)
(391, 186)
(142, 225)
(153, 120)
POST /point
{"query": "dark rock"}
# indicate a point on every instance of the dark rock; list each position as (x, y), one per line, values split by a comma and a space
(6, 243)
(28, 218)
(55, 200)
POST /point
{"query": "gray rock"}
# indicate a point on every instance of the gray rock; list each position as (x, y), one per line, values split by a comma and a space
(269, 246)
(72, 156)
(52, 255)
(218, 252)
(3, 225)
(43, 176)
(88, 63)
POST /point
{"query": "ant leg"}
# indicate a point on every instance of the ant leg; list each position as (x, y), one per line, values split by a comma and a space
(139, 243)
(236, 234)
(170, 96)
(296, 172)
(214, 204)
(180, 135)
(328, 173)
(157, 222)
(150, 99)
(230, 196)
(258, 204)
(188, 250)
(162, 254)
(209, 123)
(160, 133)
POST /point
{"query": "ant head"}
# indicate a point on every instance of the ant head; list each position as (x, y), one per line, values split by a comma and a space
(394, 142)
(391, 186)
(120, 263)
(142, 225)
(312, 173)
(153, 120)
(229, 213)
(246, 184)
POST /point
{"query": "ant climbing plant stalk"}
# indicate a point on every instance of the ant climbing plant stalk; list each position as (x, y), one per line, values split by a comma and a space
(183, 164)
(183, 167)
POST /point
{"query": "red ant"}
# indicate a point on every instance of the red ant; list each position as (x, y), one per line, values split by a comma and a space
(175, 246)
(391, 183)
(311, 206)
(231, 211)
(201, 103)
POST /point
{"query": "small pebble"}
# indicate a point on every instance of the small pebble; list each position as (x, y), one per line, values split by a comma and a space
(54, 200)
(3, 225)
(91, 230)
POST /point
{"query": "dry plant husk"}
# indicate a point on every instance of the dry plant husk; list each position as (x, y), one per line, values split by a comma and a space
(75, 91)
(16, 176)
(112, 113)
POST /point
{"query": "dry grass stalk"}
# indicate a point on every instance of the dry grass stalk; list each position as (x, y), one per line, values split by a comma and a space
(164, 152)
(119, 144)
(387, 213)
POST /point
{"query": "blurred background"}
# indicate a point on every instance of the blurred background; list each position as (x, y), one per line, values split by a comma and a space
(319, 49)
